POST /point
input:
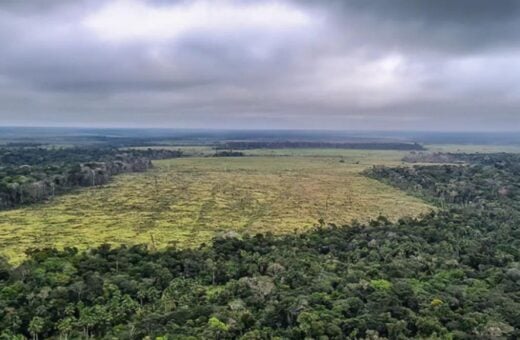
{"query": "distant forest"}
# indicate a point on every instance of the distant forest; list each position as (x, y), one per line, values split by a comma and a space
(34, 174)
(452, 274)
(246, 145)
(140, 137)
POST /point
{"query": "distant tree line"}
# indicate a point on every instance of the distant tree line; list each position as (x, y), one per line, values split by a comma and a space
(246, 145)
(451, 274)
(431, 157)
(228, 153)
(30, 175)
(484, 178)
(459, 158)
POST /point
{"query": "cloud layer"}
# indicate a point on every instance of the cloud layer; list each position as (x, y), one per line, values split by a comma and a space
(401, 64)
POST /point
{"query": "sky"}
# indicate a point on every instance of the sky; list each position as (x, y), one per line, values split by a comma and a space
(247, 64)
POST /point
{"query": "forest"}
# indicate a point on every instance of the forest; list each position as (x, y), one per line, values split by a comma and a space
(452, 274)
(228, 153)
(34, 174)
(357, 145)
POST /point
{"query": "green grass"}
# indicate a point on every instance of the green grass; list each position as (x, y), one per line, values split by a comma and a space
(186, 201)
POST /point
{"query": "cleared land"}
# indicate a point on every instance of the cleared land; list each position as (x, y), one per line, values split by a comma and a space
(186, 201)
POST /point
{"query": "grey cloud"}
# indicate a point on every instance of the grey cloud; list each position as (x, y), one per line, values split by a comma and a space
(362, 64)
(443, 26)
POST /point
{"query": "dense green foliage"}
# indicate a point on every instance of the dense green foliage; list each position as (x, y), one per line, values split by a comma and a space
(485, 181)
(33, 174)
(451, 274)
(37, 156)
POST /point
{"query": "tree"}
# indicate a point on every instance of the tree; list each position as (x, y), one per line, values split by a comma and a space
(217, 328)
(36, 326)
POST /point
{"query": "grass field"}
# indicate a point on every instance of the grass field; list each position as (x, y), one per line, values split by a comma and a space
(186, 201)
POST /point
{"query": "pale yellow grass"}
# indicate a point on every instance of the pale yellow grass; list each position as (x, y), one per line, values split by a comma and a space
(186, 201)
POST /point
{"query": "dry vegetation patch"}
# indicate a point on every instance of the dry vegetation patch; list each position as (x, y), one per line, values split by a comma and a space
(186, 201)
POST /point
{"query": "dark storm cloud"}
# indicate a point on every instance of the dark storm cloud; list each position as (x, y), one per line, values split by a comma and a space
(270, 64)
(443, 25)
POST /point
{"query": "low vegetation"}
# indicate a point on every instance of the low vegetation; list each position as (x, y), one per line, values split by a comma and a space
(186, 201)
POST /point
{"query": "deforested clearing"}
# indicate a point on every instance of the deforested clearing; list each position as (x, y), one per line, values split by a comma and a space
(188, 201)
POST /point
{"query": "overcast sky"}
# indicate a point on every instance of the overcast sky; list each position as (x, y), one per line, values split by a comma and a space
(359, 64)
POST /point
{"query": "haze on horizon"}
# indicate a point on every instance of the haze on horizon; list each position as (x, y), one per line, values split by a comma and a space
(343, 65)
